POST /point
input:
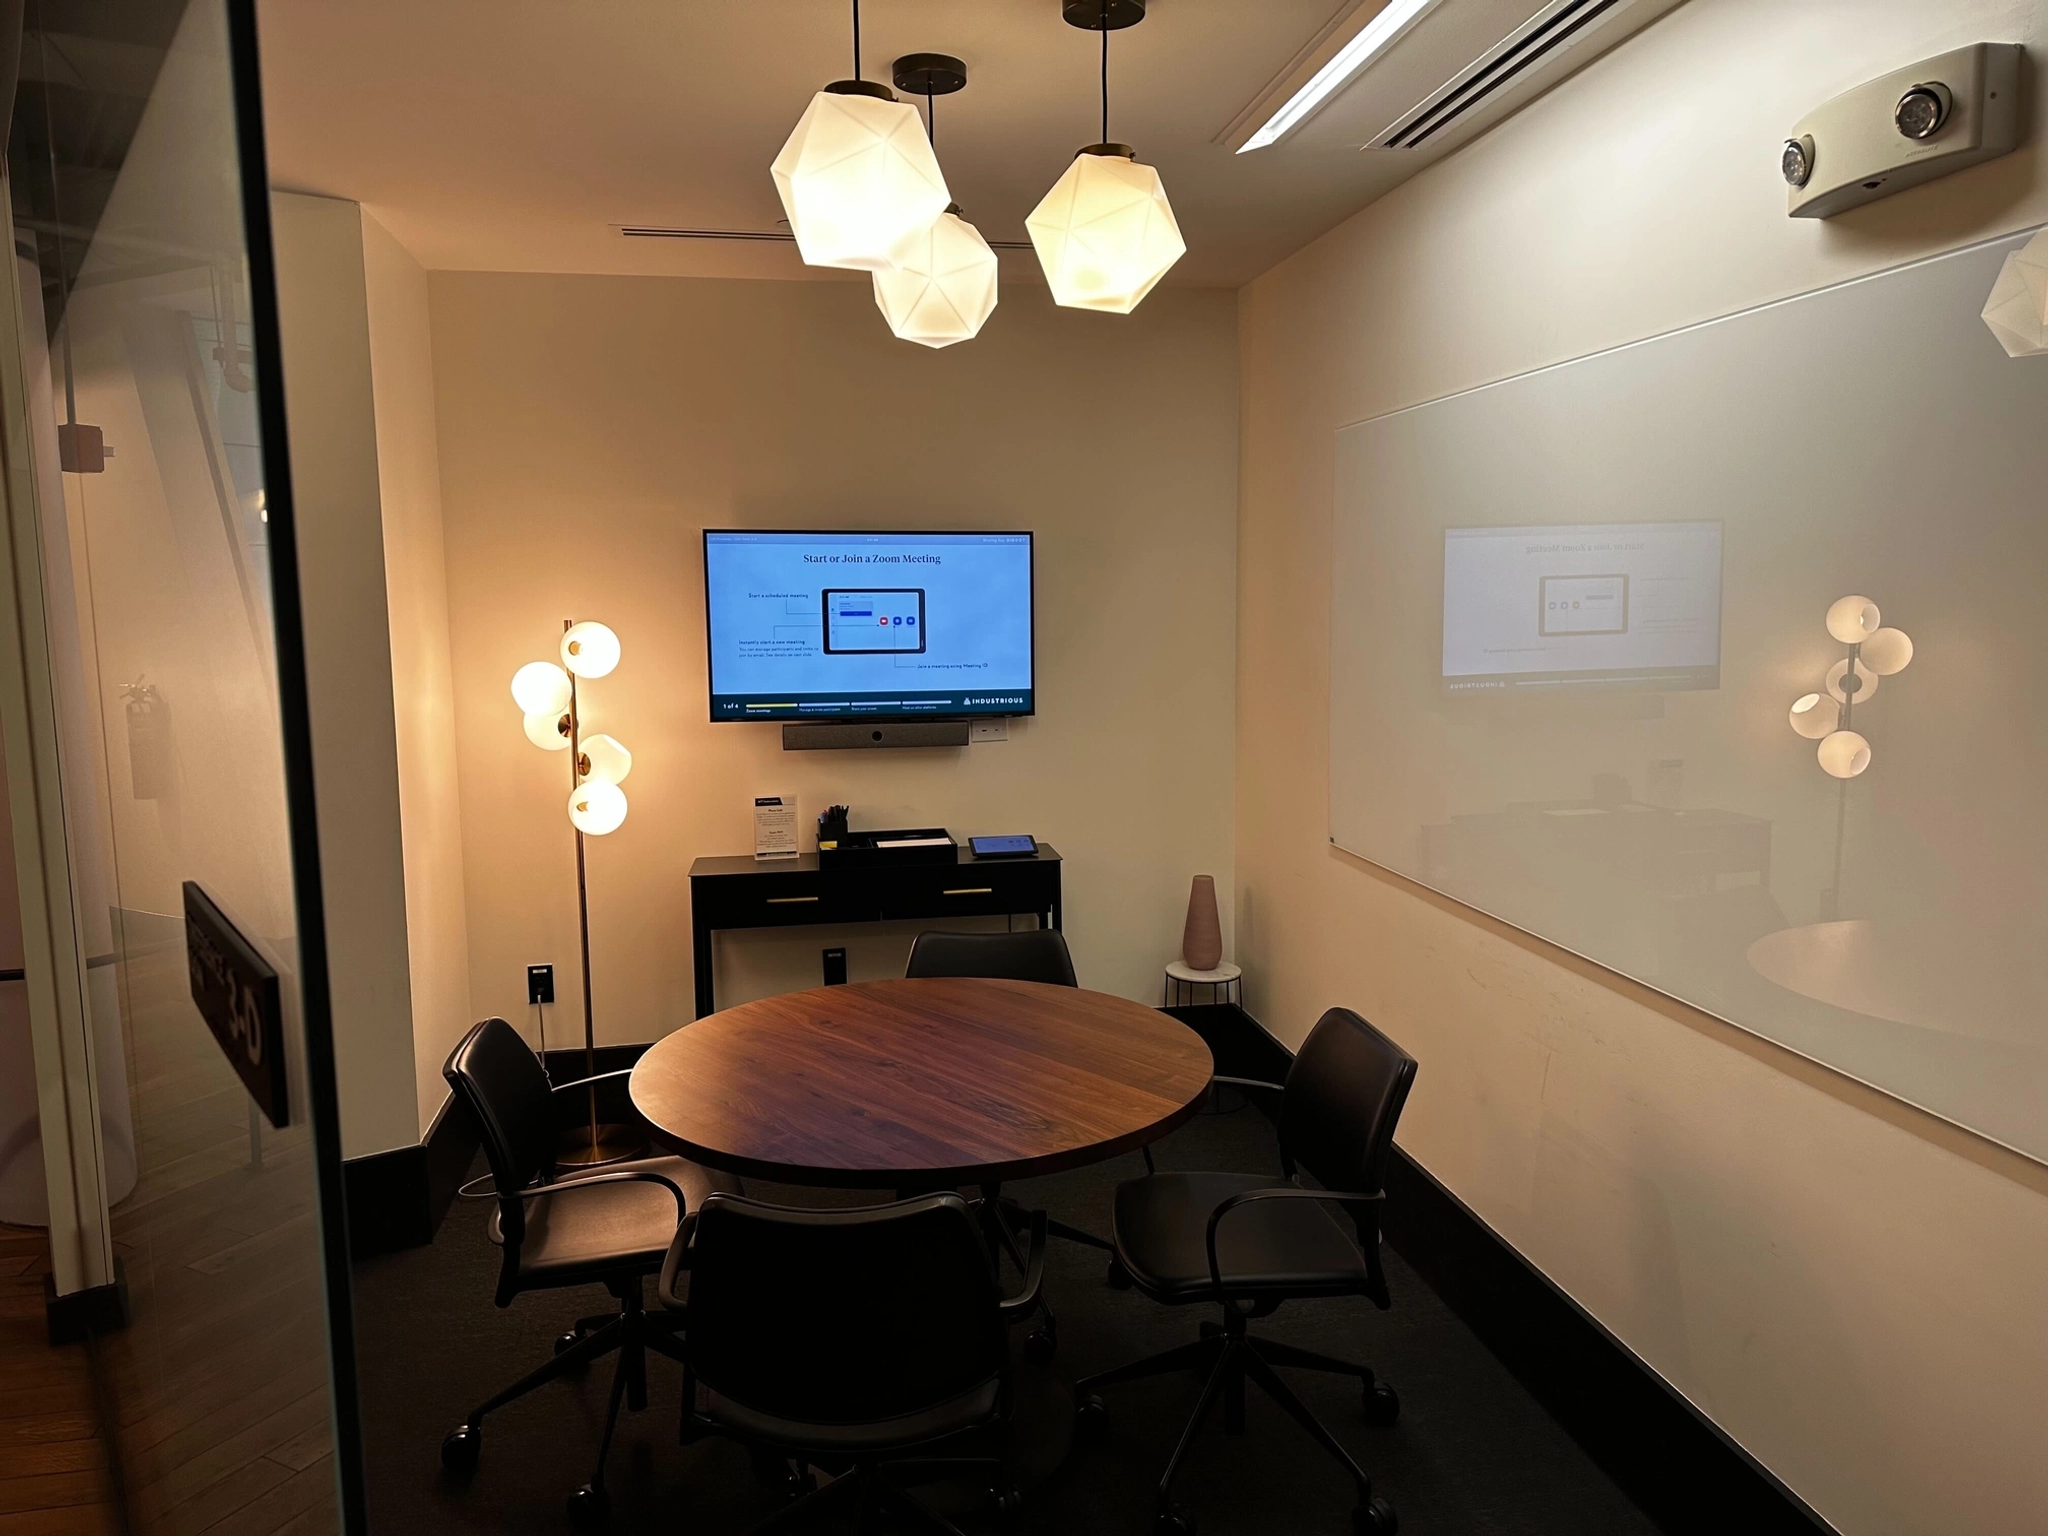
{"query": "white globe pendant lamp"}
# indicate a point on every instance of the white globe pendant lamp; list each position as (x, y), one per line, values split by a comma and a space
(1105, 234)
(944, 288)
(857, 176)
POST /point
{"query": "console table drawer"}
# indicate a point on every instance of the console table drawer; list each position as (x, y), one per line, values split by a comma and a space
(969, 890)
(778, 899)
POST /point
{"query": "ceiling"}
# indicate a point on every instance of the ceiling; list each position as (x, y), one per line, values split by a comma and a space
(517, 135)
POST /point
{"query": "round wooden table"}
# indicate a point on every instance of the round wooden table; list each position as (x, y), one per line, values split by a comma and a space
(921, 1084)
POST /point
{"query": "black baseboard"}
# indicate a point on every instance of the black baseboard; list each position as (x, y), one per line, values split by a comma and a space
(1680, 1468)
(388, 1203)
(79, 1315)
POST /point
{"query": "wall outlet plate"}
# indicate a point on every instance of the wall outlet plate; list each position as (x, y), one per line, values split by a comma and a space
(1859, 153)
(990, 730)
(540, 984)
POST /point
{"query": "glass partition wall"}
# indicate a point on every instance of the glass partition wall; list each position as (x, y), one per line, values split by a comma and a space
(161, 676)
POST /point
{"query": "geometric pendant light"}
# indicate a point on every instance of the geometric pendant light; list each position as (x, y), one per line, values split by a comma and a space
(1105, 234)
(943, 287)
(857, 177)
(2017, 310)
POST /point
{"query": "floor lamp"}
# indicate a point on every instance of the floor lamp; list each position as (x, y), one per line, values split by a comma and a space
(549, 697)
(1829, 717)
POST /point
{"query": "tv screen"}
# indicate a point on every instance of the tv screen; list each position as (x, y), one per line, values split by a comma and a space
(834, 625)
(1606, 604)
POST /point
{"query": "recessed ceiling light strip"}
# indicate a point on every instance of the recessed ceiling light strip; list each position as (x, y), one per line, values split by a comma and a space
(1377, 35)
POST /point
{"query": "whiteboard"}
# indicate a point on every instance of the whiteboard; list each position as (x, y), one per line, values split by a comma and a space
(1570, 614)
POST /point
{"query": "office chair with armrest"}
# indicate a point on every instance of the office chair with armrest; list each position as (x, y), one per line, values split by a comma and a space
(1037, 954)
(871, 1342)
(1248, 1244)
(609, 1227)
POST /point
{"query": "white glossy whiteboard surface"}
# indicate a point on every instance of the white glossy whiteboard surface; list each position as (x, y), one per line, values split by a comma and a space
(1572, 610)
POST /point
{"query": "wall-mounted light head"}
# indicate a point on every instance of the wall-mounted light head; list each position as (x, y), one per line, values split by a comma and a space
(1796, 162)
(1924, 110)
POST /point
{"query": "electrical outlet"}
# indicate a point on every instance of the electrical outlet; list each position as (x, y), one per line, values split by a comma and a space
(835, 967)
(540, 984)
(990, 730)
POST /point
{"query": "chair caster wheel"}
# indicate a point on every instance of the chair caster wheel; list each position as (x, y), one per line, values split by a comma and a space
(1173, 1522)
(1042, 1344)
(564, 1342)
(590, 1509)
(461, 1447)
(1091, 1413)
(1382, 1404)
(1119, 1278)
(1008, 1502)
(1375, 1517)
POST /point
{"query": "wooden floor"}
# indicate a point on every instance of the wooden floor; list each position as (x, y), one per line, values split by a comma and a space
(219, 1382)
(53, 1464)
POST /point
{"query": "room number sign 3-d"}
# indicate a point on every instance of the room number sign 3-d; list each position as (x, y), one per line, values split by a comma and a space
(237, 994)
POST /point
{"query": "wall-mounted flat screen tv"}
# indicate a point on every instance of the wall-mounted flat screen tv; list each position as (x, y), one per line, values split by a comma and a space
(884, 626)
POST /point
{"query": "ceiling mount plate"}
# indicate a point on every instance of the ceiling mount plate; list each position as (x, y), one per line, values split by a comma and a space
(1103, 15)
(929, 74)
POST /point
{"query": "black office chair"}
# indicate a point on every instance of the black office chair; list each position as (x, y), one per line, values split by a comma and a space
(1248, 1244)
(1037, 954)
(611, 1227)
(870, 1342)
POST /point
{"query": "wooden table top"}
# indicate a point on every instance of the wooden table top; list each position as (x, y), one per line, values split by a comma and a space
(914, 1084)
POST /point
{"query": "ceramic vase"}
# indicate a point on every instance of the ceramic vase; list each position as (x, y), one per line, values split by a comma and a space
(1201, 944)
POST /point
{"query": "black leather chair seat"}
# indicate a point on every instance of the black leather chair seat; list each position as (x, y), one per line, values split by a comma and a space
(1293, 1246)
(966, 1412)
(592, 1231)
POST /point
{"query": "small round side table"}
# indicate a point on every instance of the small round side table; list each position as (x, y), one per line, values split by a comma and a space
(1225, 984)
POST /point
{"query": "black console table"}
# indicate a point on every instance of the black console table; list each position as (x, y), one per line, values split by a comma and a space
(786, 893)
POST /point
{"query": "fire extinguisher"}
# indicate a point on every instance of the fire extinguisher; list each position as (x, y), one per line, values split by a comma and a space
(149, 740)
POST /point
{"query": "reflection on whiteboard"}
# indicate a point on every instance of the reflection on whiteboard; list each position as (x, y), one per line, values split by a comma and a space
(1675, 830)
(1611, 604)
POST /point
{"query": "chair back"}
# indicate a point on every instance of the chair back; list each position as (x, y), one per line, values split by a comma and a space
(839, 1317)
(496, 1074)
(1038, 954)
(1343, 1100)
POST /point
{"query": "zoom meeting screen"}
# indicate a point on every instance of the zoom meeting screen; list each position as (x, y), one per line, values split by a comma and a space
(851, 625)
(1613, 604)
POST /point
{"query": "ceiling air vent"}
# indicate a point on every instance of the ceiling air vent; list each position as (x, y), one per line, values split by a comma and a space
(1551, 31)
(782, 236)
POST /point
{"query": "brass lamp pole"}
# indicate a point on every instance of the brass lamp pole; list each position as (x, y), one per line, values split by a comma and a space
(551, 698)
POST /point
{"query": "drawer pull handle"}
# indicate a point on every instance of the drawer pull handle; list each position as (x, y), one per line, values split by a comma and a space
(783, 901)
(971, 890)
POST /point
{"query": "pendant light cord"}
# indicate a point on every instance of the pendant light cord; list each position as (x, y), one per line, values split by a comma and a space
(1105, 71)
(856, 39)
(931, 120)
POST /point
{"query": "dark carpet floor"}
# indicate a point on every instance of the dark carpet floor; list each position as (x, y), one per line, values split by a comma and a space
(1472, 1455)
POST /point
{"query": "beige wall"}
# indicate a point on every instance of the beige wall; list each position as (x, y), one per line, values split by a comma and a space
(1850, 1289)
(423, 696)
(590, 427)
(359, 389)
